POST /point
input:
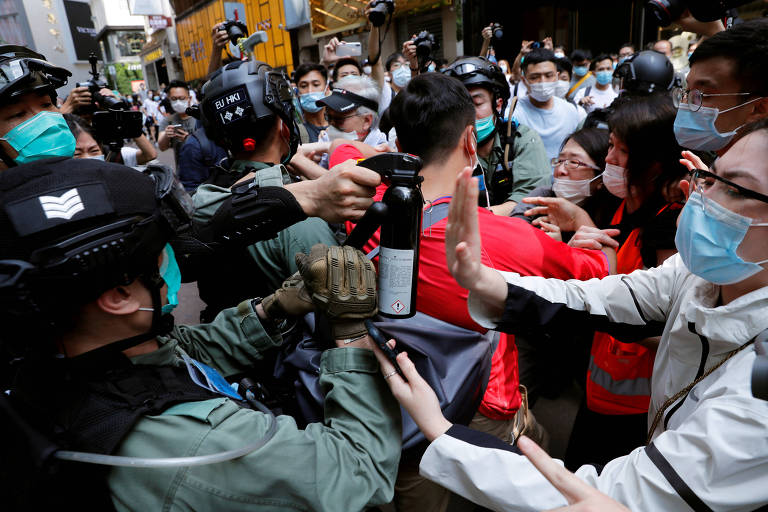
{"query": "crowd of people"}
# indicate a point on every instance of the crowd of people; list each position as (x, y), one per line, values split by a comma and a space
(598, 220)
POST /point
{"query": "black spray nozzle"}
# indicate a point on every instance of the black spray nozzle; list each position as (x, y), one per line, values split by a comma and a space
(395, 167)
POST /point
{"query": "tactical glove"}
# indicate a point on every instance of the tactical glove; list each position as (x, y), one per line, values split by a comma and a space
(342, 282)
(291, 299)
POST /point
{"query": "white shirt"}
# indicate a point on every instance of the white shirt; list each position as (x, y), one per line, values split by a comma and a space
(129, 155)
(553, 125)
(602, 99)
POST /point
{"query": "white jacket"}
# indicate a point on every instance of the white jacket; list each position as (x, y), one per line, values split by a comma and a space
(710, 451)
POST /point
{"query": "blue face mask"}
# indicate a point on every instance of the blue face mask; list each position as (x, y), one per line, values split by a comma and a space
(431, 68)
(696, 130)
(44, 135)
(580, 70)
(169, 271)
(604, 77)
(708, 238)
(401, 76)
(308, 101)
(485, 128)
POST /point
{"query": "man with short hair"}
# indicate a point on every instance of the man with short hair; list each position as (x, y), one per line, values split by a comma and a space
(664, 47)
(312, 83)
(602, 94)
(581, 60)
(553, 118)
(175, 128)
(31, 126)
(726, 87)
(435, 119)
(512, 157)
(625, 51)
(347, 66)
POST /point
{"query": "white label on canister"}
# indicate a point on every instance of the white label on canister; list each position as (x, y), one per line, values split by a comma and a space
(395, 274)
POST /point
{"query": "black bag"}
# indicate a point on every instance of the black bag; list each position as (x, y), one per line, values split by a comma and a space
(456, 362)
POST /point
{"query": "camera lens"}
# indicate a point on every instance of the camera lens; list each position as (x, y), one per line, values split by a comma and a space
(665, 11)
(378, 14)
(498, 33)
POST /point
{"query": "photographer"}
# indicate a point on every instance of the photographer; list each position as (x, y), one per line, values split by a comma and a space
(175, 128)
(104, 371)
(87, 145)
(31, 127)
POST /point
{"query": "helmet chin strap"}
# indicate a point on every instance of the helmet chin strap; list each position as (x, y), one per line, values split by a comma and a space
(161, 324)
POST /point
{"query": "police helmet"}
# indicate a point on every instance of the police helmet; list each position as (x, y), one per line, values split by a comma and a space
(240, 102)
(23, 71)
(480, 72)
(71, 229)
(645, 73)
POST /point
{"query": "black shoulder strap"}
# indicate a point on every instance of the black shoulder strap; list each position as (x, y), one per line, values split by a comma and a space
(675, 480)
(587, 91)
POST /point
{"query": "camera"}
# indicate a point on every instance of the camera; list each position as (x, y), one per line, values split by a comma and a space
(94, 85)
(379, 11)
(497, 30)
(235, 29)
(425, 44)
(537, 44)
(667, 11)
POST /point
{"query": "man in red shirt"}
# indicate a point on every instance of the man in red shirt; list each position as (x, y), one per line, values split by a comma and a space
(434, 117)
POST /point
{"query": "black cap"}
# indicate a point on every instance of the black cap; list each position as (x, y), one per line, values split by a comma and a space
(342, 100)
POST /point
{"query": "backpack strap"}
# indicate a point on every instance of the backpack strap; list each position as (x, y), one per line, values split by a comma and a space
(587, 91)
(509, 140)
(435, 214)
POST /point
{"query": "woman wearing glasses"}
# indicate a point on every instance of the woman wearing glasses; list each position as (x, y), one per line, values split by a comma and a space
(707, 445)
(577, 172)
(642, 169)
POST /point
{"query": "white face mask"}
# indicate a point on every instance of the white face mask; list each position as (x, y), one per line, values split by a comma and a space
(575, 191)
(542, 91)
(367, 70)
(559, 55)
(615, 180)
(180, 106)
(561, 89)
(503, 67)
(95, 157)
(334, 133)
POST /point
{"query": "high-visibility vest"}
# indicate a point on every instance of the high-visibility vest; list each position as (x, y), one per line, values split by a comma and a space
(619, 374)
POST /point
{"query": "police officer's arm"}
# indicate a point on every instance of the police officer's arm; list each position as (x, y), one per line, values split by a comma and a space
(248, 214)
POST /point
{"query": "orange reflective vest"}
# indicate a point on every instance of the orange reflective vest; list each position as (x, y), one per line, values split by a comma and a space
(619, 374)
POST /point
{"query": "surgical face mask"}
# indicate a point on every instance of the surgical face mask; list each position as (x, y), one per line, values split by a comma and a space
(604, 77)
(95, 157)
(401, 76)
(367, 70)
(180, 106)
(44, 135)
(542, 91)
(485, 127)
(334, 133)
(615, 180)
(503, 67)
(308, 101)
(580, 70)
(575, 191)
(431, 68)
(169, 271)
(696, 130)
(559, 55)
(157, 98)
(562, 87)
(708, 238)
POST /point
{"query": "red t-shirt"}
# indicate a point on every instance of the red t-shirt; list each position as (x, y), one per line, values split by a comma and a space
(508, 244)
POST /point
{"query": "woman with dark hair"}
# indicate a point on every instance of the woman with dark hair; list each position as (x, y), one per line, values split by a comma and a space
(643, 170)
(87, 145)
(577, 173)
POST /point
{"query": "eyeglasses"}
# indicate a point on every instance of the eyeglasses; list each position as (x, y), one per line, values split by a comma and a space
(695, 97)
(338, 119)
(572, 165)
(717, 186)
